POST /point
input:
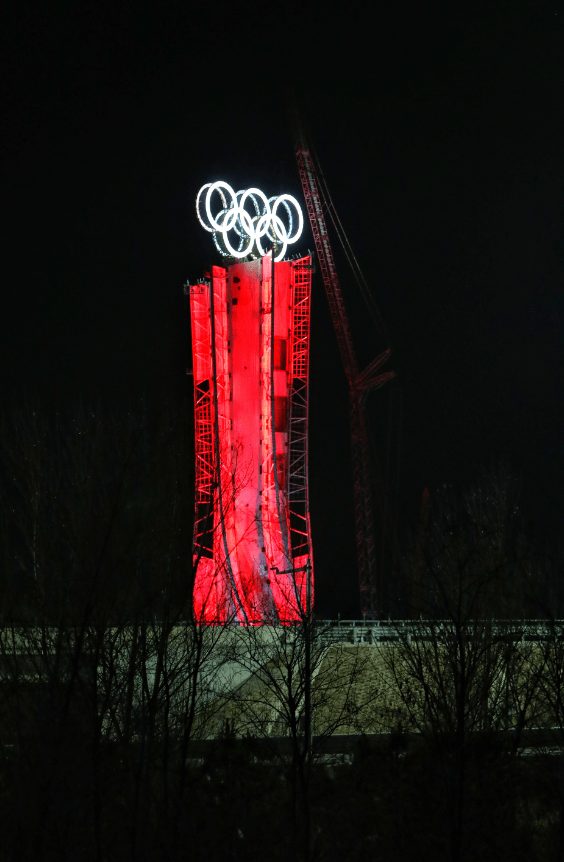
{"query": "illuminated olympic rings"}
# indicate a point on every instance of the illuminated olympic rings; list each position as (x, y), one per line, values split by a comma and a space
(249, 227)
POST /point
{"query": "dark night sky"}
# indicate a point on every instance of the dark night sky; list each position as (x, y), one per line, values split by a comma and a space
(440, 132)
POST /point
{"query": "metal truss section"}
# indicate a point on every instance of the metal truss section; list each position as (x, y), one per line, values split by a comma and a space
(326, 263)
(359, 382)
(298, 509)
(204, 467)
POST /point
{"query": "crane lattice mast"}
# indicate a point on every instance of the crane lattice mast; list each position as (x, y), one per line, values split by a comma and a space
(360, 382)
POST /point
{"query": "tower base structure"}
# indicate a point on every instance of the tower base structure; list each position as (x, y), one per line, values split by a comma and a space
(250, 348)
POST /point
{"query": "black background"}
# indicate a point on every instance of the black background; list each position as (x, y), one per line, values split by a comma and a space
(440, 133)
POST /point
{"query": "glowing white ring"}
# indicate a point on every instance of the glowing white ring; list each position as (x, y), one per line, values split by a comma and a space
(237, 227)
(238, 252)
(279, 229)
(234, 217)
(200, 219)
(283, 199)
(233, 210)
(252, 193)
(280, 232)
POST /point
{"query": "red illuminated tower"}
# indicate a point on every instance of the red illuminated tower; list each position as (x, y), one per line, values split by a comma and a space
(250, 348)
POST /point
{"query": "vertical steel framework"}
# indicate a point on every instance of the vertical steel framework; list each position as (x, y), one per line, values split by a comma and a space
(250, 348)
(298, 508)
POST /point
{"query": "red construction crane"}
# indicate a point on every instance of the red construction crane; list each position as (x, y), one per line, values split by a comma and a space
(360, 383)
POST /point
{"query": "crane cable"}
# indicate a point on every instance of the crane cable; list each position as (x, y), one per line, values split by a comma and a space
(329, 206)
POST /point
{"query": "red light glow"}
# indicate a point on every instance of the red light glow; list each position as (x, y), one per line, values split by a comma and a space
(251, 387)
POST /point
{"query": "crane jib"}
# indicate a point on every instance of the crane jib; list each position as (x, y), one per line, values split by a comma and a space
(359, 383)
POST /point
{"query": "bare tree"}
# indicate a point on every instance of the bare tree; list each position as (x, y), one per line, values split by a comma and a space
(298, 687)
(548, 742)
(461, 667)
(104, 668)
